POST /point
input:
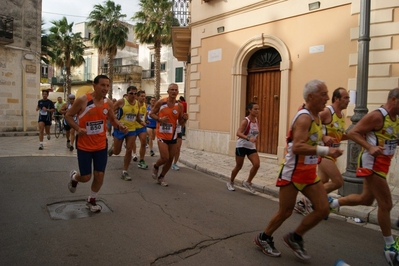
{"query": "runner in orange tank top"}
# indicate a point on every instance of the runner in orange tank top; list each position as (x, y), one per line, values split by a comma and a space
(92, 111)
(167, 112)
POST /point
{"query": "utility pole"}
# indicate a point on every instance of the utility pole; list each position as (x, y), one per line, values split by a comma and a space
(352, 184)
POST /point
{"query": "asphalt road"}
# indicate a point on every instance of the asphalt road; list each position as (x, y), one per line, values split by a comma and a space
(194, 221)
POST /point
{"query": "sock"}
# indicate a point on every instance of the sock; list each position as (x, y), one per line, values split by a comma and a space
(93, 195)
(41, 143)
(334, 204)
(264, 237)
(388, 240)
(297, 237)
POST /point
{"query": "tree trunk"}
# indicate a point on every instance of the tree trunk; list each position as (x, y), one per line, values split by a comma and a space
(157, 70)
(68, 81)
(110, 75)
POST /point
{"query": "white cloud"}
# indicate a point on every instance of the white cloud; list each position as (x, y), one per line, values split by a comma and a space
(77, 10)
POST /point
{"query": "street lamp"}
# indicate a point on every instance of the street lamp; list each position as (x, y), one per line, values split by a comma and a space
(351, 183)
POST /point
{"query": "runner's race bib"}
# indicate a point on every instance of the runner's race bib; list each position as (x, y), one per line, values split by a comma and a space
(94, 127)
(166, 128)
(390, 147)
(130, 117)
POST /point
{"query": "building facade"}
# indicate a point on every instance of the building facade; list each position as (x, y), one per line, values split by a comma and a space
(265, 51)
(20, 28)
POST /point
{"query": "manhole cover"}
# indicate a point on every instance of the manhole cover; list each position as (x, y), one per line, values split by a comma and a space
(73, 209)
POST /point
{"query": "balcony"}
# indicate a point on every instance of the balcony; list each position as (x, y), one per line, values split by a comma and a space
(125, 73)
(6, 29)
(181, 33)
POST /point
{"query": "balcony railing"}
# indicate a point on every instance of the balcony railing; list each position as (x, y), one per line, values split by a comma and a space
(126, 69)
(6, 29)
(148, 74)
(181, 12)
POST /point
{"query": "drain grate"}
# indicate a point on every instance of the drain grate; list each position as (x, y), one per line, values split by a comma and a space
(68, 210)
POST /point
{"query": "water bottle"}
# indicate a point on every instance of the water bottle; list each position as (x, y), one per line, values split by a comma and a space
(341, 263)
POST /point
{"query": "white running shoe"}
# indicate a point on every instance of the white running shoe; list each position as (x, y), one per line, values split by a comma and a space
(230, 186)
(249, 187)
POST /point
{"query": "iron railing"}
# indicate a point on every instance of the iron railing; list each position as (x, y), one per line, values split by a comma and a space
(181, 13)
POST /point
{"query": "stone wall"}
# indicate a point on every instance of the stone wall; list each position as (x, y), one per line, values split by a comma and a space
(20, 67)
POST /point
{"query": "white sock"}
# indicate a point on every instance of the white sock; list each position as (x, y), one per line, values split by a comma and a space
(334, 204)
(41, 143)
(93, 195)
(388, 240)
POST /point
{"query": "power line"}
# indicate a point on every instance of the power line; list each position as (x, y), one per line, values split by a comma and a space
(64, 14)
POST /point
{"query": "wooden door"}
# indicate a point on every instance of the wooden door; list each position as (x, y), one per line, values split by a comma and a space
(263, 87)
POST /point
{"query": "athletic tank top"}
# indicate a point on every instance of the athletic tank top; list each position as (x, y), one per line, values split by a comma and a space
(302, 168)
(127, 114)
(252, 130)
(141, 112)
(336, 128)
(153, 122)
(94, 120)
(167, 131)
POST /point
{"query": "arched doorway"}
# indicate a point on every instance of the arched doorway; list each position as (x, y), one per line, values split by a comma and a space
(263, 87)
(239, 86)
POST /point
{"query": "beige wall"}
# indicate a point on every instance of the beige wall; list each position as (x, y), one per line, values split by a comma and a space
(217, 89)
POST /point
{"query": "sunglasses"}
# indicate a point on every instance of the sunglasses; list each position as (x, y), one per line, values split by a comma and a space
(132, 93)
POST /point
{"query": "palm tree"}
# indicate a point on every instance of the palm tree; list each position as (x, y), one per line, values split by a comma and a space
(109, 33)
(67, 48)
(46, 52)
(154, 22)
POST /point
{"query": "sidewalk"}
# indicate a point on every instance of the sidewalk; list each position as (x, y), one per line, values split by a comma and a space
(217, 165)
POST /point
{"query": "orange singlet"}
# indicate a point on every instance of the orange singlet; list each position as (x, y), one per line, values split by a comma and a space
(167, 131)
(94, 120)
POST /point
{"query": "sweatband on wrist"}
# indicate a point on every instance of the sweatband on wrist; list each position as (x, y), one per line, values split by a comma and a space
(322, 150)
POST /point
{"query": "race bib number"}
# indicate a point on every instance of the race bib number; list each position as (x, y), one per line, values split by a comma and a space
(130, 117)
(94, 127)
(390, 147)
(43, 112)
(311, 159)
(166, 128)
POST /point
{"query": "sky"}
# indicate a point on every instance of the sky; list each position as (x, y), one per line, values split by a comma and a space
(77, 10)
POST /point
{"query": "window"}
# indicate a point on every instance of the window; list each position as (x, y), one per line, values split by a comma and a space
(117, 61)
(179, 74)
(163, 66)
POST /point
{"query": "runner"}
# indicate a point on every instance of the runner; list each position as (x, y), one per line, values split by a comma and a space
(92, 110)
(167, 112)
(45, 107)
(298, 173)
(141, 130)
(127, 114)
(70, 132)
(247, 135)
(151, 125)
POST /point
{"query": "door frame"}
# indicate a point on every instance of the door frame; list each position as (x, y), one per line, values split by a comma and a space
(239, 87)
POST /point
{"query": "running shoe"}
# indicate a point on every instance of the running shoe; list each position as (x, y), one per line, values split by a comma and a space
(142, 165)
(72, 183)
(134, 157)
(48, 137)
(304, 206)
(391, 253)
(249, 187)
(162, 182)
(68, 144)
(111, 150)
(230, 186)
(41, 147)
(154, 171)
(175, 167)
(296, 246)
(152, 153)
(125, 176)
(92, 205)
(267, 246)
